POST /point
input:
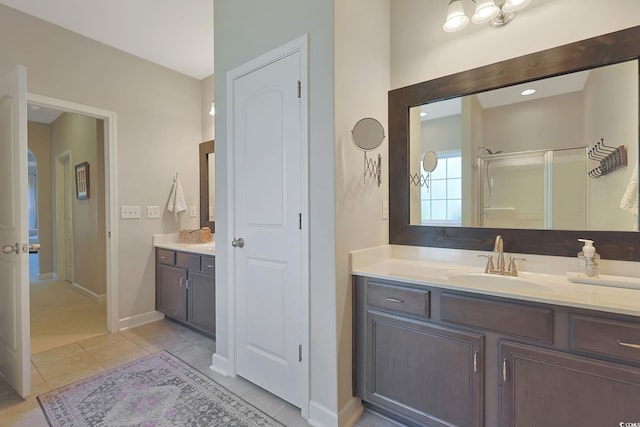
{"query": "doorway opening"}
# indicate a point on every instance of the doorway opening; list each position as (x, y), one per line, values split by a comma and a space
(74, 292)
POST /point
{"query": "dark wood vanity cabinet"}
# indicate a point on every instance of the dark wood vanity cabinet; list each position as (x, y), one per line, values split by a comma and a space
(542, 387)
(424, 373)
(428, 356)
(185, 288)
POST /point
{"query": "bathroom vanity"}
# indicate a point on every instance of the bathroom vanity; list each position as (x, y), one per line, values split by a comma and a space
(434, 349)
(185, 285)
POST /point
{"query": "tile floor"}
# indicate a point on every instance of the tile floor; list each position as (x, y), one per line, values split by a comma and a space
(72, 362)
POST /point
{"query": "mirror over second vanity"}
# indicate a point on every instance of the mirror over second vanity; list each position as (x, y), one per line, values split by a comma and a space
(521, 169)
(207, 185)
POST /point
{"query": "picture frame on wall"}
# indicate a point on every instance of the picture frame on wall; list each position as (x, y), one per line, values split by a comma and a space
(82, 181)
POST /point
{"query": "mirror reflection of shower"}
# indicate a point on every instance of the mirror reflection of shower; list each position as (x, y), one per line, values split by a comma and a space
(489, 180)
(533, 189)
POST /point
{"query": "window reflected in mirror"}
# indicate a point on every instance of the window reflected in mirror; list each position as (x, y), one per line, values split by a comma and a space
(509, 160)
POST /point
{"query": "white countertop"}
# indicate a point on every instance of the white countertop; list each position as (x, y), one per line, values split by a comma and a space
(170, 241)
(449, 272)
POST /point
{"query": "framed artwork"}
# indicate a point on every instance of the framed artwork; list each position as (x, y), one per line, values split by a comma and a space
(82, 181)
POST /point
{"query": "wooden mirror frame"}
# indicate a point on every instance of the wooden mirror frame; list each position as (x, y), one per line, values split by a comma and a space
(603, 50)
(205, 149)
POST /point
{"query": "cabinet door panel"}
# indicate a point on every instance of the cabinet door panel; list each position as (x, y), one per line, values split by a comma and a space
(202, 302)
(551, 388)
(171, 292)
(425, 372)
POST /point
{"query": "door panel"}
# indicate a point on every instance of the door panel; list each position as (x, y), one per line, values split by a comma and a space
(268, 201)
(14, 265)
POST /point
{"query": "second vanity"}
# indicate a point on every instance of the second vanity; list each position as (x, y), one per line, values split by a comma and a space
(185, 283)
(439, 343)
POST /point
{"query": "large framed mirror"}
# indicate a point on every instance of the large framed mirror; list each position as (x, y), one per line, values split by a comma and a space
(495, 154)
(207, 185)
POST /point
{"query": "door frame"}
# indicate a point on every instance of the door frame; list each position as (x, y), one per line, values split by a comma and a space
(111, 193)
(59, 214)
(301, 44)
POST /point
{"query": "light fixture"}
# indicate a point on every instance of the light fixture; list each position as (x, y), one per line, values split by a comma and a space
(212, 112)
(456, 19)
(528, 92)
(485, 11)
(423, 114)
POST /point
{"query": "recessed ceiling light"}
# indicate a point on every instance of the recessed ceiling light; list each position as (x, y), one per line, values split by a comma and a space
(528, 92)
(423, 114)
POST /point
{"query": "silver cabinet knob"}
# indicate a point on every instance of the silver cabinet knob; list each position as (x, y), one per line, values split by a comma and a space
(238, 243)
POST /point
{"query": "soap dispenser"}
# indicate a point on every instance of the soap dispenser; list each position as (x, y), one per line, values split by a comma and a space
(588, 259)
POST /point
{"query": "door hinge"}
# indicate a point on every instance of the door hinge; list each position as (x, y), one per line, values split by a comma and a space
(299, 89)
(299, 221)
(505, 370)
(108, 234)
(300, 353)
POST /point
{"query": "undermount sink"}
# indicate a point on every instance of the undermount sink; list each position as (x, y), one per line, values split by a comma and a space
(498, 281)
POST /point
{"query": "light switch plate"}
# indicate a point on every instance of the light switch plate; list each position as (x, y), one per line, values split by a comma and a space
(385, 209)
(129, 212)
(193, 212)
(153, 211)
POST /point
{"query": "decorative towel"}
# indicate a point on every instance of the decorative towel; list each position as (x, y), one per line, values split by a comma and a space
(629, 200)
(176, 200)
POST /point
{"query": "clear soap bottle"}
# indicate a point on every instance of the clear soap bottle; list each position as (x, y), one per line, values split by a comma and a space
(588, 259)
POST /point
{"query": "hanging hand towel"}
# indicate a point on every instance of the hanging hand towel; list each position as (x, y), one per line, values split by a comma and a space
(629, 200)
(176, 200)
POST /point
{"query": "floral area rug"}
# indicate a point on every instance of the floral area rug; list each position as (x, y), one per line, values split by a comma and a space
(156, 391)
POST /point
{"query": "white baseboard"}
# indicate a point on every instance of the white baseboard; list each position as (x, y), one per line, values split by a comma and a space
(140, 319)
(321, 416)
(220, 365)
(98, 299)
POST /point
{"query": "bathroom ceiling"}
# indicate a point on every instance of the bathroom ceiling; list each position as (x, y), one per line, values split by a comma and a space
(172, 33)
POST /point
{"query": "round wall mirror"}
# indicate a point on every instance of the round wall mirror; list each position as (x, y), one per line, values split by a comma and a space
(429, 161)
(367, 134)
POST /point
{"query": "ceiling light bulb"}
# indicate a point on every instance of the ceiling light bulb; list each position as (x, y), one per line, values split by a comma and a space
(423, 114)
(456, 18)
(528, 92)
(486, 10)
(212, 112)
(514, 5)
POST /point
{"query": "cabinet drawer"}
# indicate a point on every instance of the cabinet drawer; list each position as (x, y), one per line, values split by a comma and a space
(188, 261)
(411, 301)
(606, 337)
(509, 318)
(166, 256)
(209, 265)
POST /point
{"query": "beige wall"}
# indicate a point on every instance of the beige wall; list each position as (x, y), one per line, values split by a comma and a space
(158, 130)
(40, 144)
(361, 82)
(421, 51)
(81, 137)
(208, 122)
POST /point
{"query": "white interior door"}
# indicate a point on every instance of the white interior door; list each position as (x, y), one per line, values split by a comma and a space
(267, 209)
(14, 235)
(68, 222)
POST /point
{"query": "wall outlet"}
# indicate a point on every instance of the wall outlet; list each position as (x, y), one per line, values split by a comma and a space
(385, 209)
(153, 211)
(193, 212)
(129, 212)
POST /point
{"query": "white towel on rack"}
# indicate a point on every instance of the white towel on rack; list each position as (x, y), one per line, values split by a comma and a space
(629, 200)
(176, 202)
